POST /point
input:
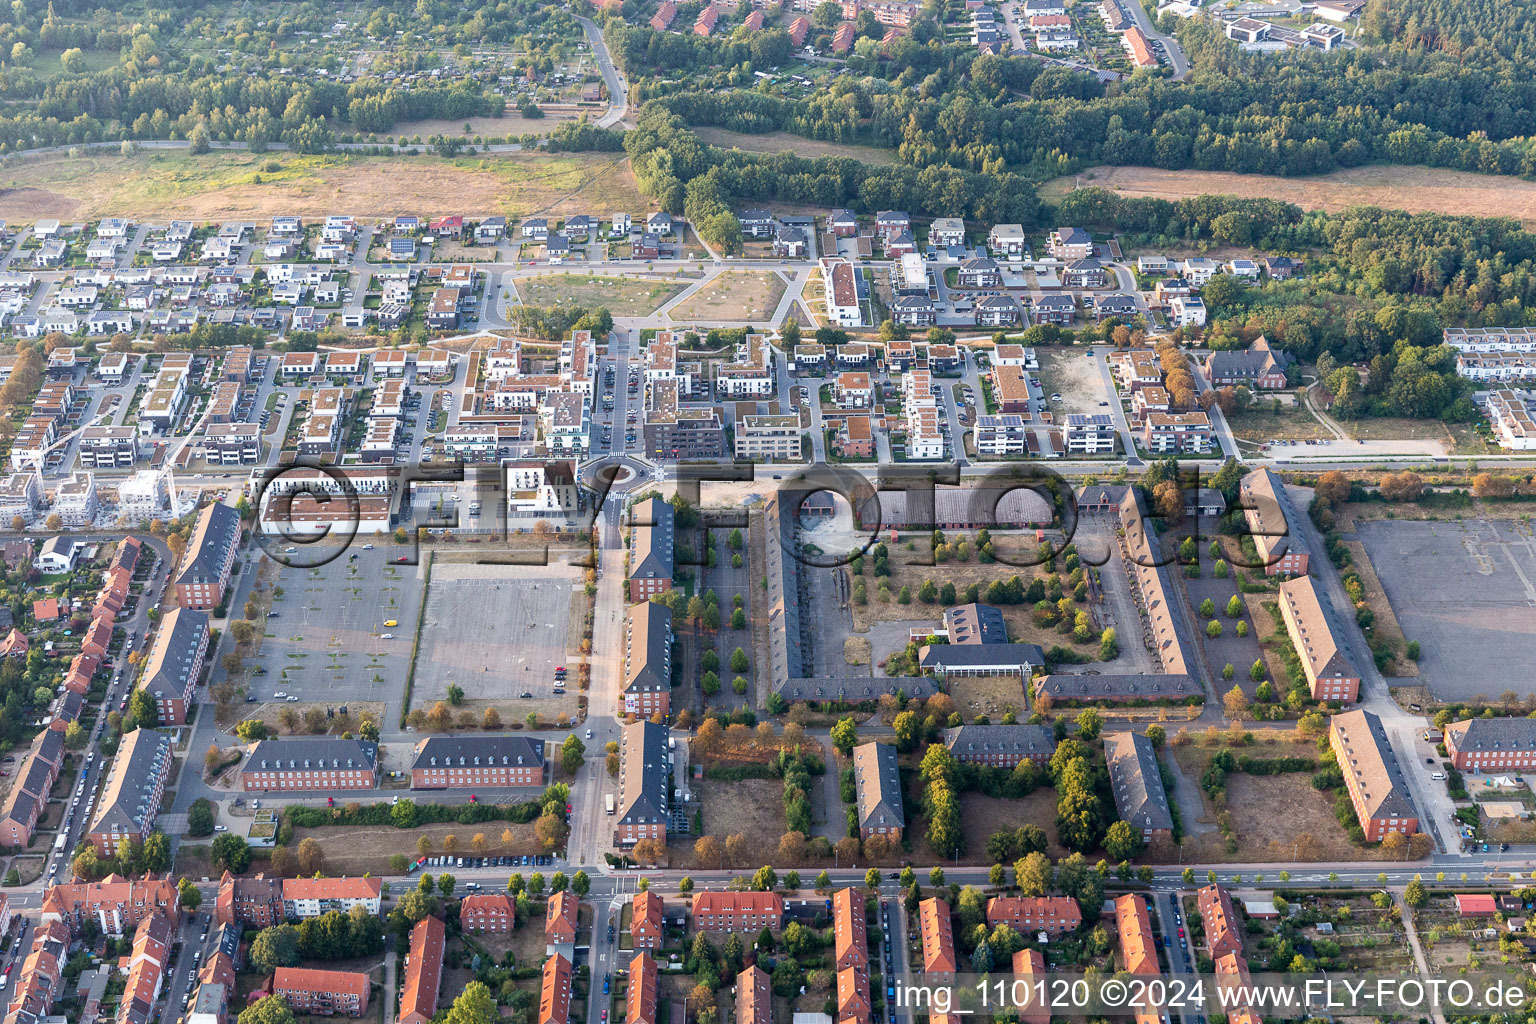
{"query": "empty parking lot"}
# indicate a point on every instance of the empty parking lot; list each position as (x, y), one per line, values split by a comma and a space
(328, 637)
(1467, 592)
(497, 631)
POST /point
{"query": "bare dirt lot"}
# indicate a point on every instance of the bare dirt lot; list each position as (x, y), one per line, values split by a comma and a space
(622, 296)
(1077, 379)
(1415, 189)
(984, 815)
(733, 297)
(223, 185)
(752, 807)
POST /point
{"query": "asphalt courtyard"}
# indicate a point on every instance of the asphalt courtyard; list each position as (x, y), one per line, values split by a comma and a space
(1466, 591)
(497, 631)
(330, 641)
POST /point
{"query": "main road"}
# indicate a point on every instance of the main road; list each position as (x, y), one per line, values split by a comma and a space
(618, 92)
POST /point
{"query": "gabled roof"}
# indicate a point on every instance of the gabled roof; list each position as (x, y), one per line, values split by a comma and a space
(172, 659)
(647, 643)
(1492, 734)
(467, 750)
(878, 783)
(643, 771)
(217, 531)
(140, 766)
(651, 551)
(423, 971)
(1372, 765)
(1318, 640)
(1018, 740)
(938, 937)
(1137, 781)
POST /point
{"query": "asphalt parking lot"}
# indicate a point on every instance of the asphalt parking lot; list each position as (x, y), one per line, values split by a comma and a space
(497, 631)
(1467, 592)
(327, 639)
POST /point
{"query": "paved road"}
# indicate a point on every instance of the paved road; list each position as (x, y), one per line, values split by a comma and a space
(1176, 58)
(618, 92)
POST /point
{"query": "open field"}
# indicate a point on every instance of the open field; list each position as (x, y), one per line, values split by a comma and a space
(784, 142)
(1077, 379)
(486, 127)
(351, 850)
(1415, 189)
(984, 815)
(624, 296)
(1463, 590)
(733, 296)
(751, 807)
(1289, 424)
(225, 185)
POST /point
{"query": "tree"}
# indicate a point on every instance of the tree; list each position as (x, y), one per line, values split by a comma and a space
(455, 694)
(311, 857)
(845, 736)
(1414, 894)
(267, 1010)
(1168, 501)
(187, 895)
(581, 883)
(274, 947)
(1089, 723)
(231, 852)
(872, 878)
(739, 661)
(1121, 841)
(572, 753)
(445, 883)
(1235, 704)
(200, 817)
(198, 140)
(765, 879)
(1032, 874)
(1256, 671)
(551, 831)
(1333, 487)
(1404, 486)
(473, 1006)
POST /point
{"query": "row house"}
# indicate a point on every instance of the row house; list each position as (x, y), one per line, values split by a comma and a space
(1510, 417)
(305, 898)
(147, 966)
(115, 903)
(322, 993)
(423, 972)
(28, 796)
(255, 902)
(561, 915)
(939, 963)
(641, 997)
(647, 928)
(850, 935)
(39, 974)
(1054, 915)
(742, 912)
(555, 991)
(310, 764)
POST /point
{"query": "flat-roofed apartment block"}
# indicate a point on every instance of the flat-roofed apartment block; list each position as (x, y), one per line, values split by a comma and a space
(488, 912)
(74, 500)
(751, 374)
(564, 418)
(1090, 434)
(209, 557)
(1001, 746)
(1138, 784)
(1000, 435)
(676, 432)
(174, 663)
(1510, 417)
(939, 963)
(1277, 536)
(226, 398)
(1054, 915)
(744, 912)
(754, 997)
(322, 993)
(877, 783)
(1495, 745)
(134, 788)
(233, 444)
(109, 447)
(650, 548)
(312, 764)
(423, 972)
(237, 364)
(314, 897)
(647, 661)
(457, 762)
(762, 438)
(1185, 432)
(1318, 638)
(1377, 789)
(645, 771)
(20, 494)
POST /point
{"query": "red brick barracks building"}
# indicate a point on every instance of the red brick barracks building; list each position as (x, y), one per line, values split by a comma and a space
(1372, 774)
(1492, 744)
(454, 762)
(312, 764)
(209, 558)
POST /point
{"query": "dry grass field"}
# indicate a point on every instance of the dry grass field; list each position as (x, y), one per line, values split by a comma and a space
(752, 807)
(224, 185)
(354, 850)
(1415, 189)
(784, 142)
(623, 296)
(733, 297)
